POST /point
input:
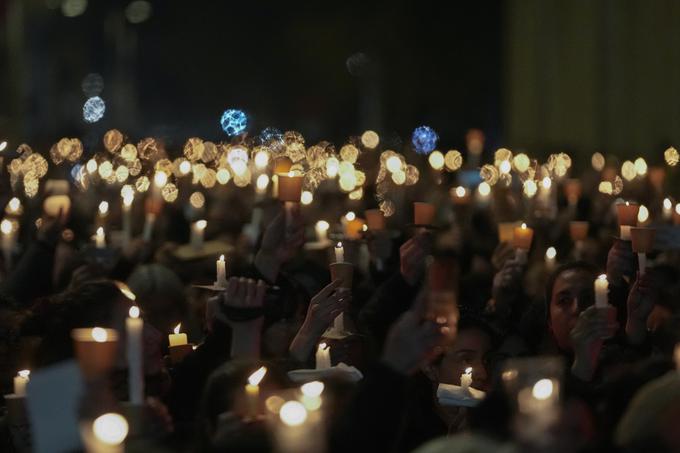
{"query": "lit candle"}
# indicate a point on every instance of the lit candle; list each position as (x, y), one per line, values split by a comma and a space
(134, 326)
(311, 395)
(176, 338)
(110, 430)
(323, 357)
(253, 393)
(339, 253)
(627, 214)
(601, 288)
(198, 233)
(13, 207)
(55, 203)
(100, 238)
(103, 209)
(321, 229)
(550, 256)
(354, 228)
(127, 219)
(221, 273)
(466, 379)
(290, 187)
(96, 350)
(20, 381)
(460, 195)
(149, 222)
(642, 242)
(522, 237)
(7, 229)
(667, 209)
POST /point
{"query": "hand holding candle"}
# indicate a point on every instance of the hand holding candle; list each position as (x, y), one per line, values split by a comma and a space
(601, 291)
(643, 242)
(323, 357)
(253, 393)
(522, 238)
(179, 345)
(627, 214)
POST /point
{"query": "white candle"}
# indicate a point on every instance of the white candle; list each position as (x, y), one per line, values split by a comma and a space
(20, 381)
(601, 288)
(134, 326)
(550, 256)
(176, 338)
(323, 357)
(339, 253)
(253, 392)
(667, 209)
(466, 379)
(7, 229)
(221, 273)
(321, 229)
(127, 219)
(100, 238)
(148, 226)
(103, 209)
(197, 233)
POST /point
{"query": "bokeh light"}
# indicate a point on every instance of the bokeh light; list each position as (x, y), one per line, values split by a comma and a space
(370, 139)
(424, 139)
(73, 8)
(138, 11)
(597, 161)
(234, 121)
(93, 109)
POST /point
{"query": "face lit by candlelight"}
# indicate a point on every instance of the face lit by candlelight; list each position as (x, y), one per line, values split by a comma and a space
(572, 292)
(467, 355)
(257, 376)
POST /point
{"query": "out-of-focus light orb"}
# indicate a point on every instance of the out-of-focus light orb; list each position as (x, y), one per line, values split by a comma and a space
(424, 140)
(543, 389)
(677, 208)
(142, 184)
(453, 160)
(93, 109)
(170, 192)
(521, 162)
(628, 170)
(14, 206)
(640, 166)
(530, 188)
(643, 214)
(393, 164)
(3, 145)
(122, 173)
(332, 167)
(671, 156)
(502, 154)
(349, 153)
(197, 200)
(546, 183)
(73, 8)
(160, 179)
(484, 189)
(92, 84)
(357, 194)
(103, 208)
(345, 168)
(399, 177)
(261, 159)
(138, 11)
(460, 191)
(306, 198)
(504, 167)
(293, 413)
(105, 169)
(262, 182)
(667, 203)
(127, 191)
(370, 139)
(551, 253)
(6, 226)
(597, 161)
(606, 187)
(350, 216)
(436, 160)
(111, 429)
(185, 167)
(223, 176)
(270, 134)
(347, 182)
(239, 167)
(234, 121)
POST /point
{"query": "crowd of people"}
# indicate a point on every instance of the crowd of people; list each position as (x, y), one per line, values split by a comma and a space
(432, 347)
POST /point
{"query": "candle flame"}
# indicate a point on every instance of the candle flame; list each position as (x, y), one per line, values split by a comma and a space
(339, 245)
(201, 224)
(468, 371)
(677, 208)
(160, 179)
(551, 252)
(24, 373)
(176, 329)
(134, 312)
(99, 335)
(323, 225)
(257, 376)
(460, 191)
(667, 203)
(290, 173)
(222, 258)
(542, 389)
(100, 231)
(322, 346)
(104, 208)
(524, 226)
(6, 226)
(602, 277)
(125, 289)
(14, 204)
(350, 216)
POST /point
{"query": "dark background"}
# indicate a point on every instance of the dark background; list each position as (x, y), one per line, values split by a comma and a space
(329, 70)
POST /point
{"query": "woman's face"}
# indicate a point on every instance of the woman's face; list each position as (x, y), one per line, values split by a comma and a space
(467, 351)
(571, 294)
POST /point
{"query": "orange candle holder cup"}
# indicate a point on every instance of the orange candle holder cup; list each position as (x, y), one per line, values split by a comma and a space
(96, 350)
(290, 187)
(578, 230)
(627, 213)
(179, 352)
(506, 231)
(282, 165)
(375, 219)
(354, 228)
(522, 237)
(343, 272)
(423, 213)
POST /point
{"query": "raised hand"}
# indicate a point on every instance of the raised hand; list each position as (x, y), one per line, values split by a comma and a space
(620, 262)
(413, 254)
(280, 243)
(594, 324)
(641, 300)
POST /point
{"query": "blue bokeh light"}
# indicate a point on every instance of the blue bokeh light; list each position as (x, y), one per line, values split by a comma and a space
(270, 134)
(424, 139)
(234, 121)
(93, 109)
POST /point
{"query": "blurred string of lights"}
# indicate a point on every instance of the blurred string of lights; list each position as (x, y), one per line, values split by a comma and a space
(250, 160)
